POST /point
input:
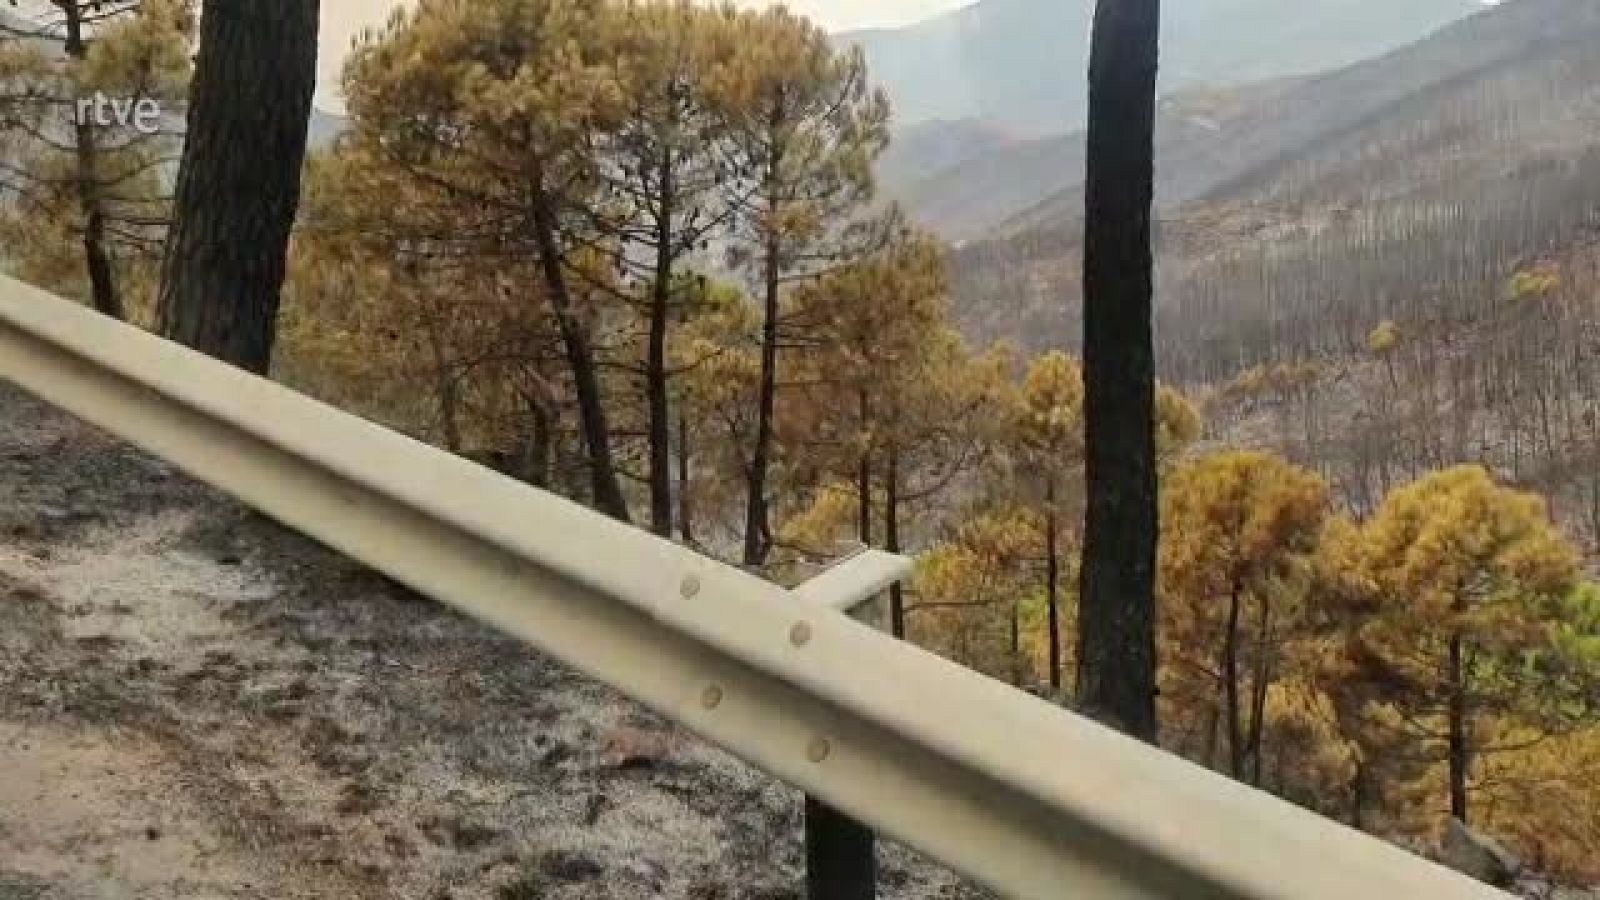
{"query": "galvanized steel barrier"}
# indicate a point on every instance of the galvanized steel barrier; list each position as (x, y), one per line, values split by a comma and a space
(1001, 786)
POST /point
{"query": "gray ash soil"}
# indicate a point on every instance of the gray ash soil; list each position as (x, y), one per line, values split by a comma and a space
(196, 702)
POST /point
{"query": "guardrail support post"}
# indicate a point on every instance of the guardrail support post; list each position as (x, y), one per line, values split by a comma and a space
(841, 853)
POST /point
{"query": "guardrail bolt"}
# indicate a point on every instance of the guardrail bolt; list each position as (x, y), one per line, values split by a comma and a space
(711, 697)
(690, 586)
(800, 634)
(819, 750)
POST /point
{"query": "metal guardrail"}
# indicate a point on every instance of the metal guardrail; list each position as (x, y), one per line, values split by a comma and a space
(1001, 786)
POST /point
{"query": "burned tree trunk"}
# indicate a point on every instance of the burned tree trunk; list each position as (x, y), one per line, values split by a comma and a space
(102, 279)
(239, 183)
(1117, 647)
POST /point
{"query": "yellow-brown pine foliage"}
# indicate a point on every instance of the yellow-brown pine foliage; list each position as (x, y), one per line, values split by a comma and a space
(1456, 556)
(1238, 533)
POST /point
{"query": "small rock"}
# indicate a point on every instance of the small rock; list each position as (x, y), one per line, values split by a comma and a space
(633, 748)
(557, 753)
(570, 866)
(1478, 856)
(707, 889)
(595, 805)
(54, 514)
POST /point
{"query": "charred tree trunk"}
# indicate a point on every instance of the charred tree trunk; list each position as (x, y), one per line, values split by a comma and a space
(539, 446)
(239, 183)
(1213, 719)
(603, 481)
(656, 366)
(891, 541)
(1017, 675)
(1117, 611)
(756, 521)
(1460, 753)
(1259, 688)
(97, 259)
(685, 502)
(1359, 780)
(864, 472)
(685, 462)
(449, 385)
(1052, 577)
(1230, 684)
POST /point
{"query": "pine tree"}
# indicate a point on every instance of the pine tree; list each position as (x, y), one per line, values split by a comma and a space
(88, 201)
(1240, 531)
(805, 128)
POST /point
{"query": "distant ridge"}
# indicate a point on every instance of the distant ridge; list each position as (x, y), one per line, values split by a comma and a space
(1407, 187)
(1022, 63)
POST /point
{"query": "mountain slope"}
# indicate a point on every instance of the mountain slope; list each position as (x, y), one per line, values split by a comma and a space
(935, 146)
(1406, 187)
(1452, 189)
(1019, 185)
(1022, 63)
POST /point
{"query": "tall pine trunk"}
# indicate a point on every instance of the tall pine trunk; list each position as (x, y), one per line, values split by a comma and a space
(1052, 578)
(685, 458)
(864, 470)
(1460, 753)
(1117, 613)
(239, 183)
(604, 484)
(891, 540)
(97, 259)
(1230, 677)
(756, 520)
(1260, 687)
(656, 374)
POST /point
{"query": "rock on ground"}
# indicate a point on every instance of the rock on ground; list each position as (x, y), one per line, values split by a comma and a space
(1478, 855)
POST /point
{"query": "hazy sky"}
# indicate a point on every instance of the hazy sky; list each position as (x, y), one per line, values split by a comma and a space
(341, 19)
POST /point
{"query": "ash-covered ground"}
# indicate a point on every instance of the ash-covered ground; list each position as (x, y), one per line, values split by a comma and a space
(197, 703)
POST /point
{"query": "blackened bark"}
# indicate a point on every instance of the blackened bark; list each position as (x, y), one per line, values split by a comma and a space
(1117, 617)
(1213, 719)
(891, 541)
(1259, 687)
(656, 365)
(1016, 645)
(102, 279)
(685, 502)
(864, 472)
(539, 447)
(1230, 679)
(756, 523)
(1052, 577)
(603, 481)
(1359, 791)
(1460, 753)
(449, 388)
(239, 182)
